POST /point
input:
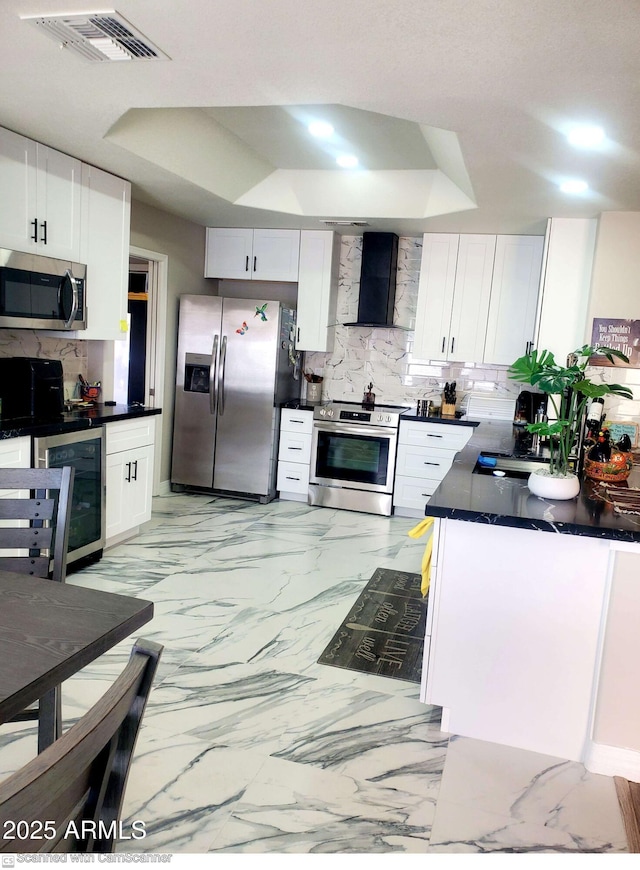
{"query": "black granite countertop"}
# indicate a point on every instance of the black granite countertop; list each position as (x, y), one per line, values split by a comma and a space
(410, 414)
(73, 421)
(298, 405)
(504, 501)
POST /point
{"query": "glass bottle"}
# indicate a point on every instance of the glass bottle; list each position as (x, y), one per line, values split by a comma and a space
(594, 419)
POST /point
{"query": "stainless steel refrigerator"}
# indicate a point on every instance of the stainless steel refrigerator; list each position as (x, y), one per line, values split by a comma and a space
(236, 365)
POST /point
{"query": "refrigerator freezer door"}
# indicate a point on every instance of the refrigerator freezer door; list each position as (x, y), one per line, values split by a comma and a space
(194, 431)
(247, 414)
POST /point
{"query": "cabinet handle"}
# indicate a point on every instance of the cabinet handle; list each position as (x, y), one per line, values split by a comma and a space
(295, 448)
(429, 435)
(298, 335)
(135, 469)
(292, 478)
(453, 341)
(424, 494)
(296, 421)
(444, 338)
(128, 477)
(34, 224)
(43, 227)
(255, 260)
(431, 463)
(246, 264)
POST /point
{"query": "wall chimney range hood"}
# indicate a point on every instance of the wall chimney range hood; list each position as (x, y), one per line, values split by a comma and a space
(377, 280)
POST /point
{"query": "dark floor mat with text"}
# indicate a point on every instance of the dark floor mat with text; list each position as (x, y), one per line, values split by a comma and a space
(383, 633)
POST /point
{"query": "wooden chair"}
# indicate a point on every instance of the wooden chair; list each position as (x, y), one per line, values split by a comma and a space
(36, 522)
(77, 785)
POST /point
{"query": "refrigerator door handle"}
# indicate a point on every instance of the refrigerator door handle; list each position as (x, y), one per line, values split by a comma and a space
(213, 369)
(223, 360)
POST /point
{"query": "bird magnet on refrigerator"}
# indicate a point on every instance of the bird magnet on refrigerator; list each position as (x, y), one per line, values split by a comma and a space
(260, 312)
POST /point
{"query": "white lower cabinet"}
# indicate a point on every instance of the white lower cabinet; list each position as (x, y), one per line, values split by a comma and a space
(129, 475)
(294, 454)
(425, 454)
(15, 452)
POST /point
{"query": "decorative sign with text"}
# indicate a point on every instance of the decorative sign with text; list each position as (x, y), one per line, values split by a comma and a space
(622, 335)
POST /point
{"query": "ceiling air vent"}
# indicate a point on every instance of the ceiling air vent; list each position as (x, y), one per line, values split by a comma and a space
(98, 36)
(344, 223)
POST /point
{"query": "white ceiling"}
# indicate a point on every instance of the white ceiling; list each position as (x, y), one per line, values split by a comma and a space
(507, 79)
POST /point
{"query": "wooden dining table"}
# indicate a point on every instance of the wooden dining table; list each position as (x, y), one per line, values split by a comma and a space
(49, 631)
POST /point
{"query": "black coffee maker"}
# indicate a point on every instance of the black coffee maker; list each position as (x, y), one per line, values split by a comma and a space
(528, 405)
(31, 387)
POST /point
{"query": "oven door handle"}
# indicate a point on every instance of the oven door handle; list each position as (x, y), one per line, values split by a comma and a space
(355, 429)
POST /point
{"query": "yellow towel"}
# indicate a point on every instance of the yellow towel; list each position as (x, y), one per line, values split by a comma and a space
(417, 532)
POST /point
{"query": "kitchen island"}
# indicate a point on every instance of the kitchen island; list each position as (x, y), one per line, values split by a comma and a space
(534, 615)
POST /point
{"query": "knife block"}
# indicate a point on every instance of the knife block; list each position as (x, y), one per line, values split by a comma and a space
(448, 409)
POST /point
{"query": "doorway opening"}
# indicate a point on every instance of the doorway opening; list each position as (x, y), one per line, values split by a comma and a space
(139, 359)
(138, 304)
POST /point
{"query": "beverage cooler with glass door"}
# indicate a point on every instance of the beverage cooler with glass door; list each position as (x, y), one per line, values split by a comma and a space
(84, 451)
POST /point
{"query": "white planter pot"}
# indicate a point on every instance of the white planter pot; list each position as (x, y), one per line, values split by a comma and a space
(544, 485)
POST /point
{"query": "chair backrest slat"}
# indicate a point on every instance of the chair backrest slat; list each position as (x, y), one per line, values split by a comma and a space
(83, 775)
(34, 529)
(36, 566)
(27, 538)
(26, 508)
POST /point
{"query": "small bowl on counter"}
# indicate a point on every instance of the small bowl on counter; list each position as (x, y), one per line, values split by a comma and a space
(617, 469)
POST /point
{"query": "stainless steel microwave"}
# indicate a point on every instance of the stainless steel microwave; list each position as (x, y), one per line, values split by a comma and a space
(39, 292)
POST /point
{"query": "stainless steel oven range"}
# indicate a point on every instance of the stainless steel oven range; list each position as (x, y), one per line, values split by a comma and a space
(353, 457)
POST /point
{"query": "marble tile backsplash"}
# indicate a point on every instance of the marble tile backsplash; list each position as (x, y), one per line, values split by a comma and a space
(385, 357)
(33, 343)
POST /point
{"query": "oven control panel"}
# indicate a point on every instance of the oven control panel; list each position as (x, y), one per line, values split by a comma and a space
(380, 416)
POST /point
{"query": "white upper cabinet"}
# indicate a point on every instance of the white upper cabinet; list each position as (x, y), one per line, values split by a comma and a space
(259, 255)
(453, 296)
(40, 203)
(514, 298)
(317, 289)
(105, 238)
(435, 294)
(54, 205)
(477, 297)
(568, 265)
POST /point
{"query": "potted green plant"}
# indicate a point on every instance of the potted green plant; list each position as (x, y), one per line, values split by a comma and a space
(569, 391)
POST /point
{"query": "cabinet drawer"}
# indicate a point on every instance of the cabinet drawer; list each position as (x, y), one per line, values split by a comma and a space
(409, 492)
(292, 477)
(422, 462)
(295, 447)
(129, 434)
(296, 421)
(434, 435)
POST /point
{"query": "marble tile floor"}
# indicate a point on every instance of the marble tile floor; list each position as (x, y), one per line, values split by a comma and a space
(249, 746)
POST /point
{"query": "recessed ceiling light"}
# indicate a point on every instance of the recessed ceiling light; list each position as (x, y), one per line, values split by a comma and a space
(347, 161)
(321, 129)
(574, 186)
(586, 137)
